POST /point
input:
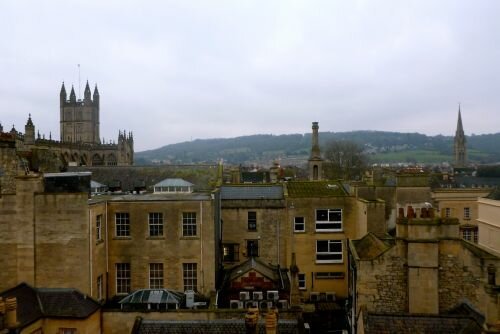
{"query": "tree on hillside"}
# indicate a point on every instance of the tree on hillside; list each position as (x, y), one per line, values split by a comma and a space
(345, 159)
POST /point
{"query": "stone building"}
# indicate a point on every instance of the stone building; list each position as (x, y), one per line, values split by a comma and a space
(44, 232)
(488, 222)
(426, 270)
(462, 204)
(79, 142)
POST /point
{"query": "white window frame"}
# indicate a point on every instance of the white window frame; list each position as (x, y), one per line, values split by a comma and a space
(447, 212)
(190, 276)
(123, 279)
(155, 222)
(322, 225)
(301, 280)
(189, 226)
(467, 213)
(98, 227)
(122, 224)
(252, 221)
(100, 287)
(156, 275)
(330, 245)
(295, 224)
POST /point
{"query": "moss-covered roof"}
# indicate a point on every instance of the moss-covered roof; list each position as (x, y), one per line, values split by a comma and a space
(315, 189)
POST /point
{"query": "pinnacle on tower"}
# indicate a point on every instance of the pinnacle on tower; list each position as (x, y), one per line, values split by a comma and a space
(315, 152)
(460, 143)
(96, 92)
(29, 122)
(63, 92)
(460, 128)
(87, 93)
(72, 95)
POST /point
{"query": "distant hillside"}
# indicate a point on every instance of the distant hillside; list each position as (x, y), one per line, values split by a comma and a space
(381, 146)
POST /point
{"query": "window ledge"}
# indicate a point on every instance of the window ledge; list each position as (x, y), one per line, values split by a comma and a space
(122, 238)
(100, 241)
(329, 262)
(299, 231)
(251, 230)
(190, 238)
(329, 231)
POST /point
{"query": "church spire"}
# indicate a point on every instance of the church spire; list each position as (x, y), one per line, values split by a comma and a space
(62, 94)
(459, 143)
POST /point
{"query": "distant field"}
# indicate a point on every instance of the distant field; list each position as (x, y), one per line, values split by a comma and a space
(425, 156)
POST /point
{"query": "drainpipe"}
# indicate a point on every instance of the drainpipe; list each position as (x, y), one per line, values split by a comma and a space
(90, 251)
(201, 248)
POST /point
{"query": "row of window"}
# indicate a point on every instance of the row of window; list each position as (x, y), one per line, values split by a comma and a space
(467, 213)
(327, 220)
(156, 277)
(155, 222)
(327, 251)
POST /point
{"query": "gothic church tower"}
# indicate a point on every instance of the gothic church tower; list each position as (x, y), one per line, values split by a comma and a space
(79, 120)
(315, 162)
(459, 148)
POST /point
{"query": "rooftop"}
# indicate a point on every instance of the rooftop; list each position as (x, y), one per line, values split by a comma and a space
(251, 192)
(315, 189)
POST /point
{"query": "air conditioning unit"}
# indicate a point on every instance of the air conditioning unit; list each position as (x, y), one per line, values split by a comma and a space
(244, 295)
(330, 296)
(251, 303)
(272, 295)
(265, 305)
(282, 304)
(235, 304)
(314, 296)
(258, 295)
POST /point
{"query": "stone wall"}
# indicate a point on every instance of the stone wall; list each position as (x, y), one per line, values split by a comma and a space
(383, 282)
(8, 165)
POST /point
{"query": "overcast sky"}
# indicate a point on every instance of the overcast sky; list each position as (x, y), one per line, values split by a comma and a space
(172, 71)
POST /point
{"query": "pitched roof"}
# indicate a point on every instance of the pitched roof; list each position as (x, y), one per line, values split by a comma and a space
(35, 303)
(251, 192)
(220, 326)
(370, 247)
(274, 273)
(429, 324)
(315, 189)
(173, 183)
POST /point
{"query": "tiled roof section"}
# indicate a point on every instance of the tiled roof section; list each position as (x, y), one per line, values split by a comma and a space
(251, 192)
(220, 326)
(428, 324)
(35, 303)
(370, 247)
(28, 307)
(66, 303)
(173, 183)
(315, 189)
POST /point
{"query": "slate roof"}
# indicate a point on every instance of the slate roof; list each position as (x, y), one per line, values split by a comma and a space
(36, 303)
(370, 247)
(251, 192)
(220, 326)
(420, 324)
(173, 183)
(315, 189)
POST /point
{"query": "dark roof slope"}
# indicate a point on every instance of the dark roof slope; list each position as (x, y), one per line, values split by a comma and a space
(219, 326)
(420, 324)
(251, 192)
(35, 303)
(66, 303)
